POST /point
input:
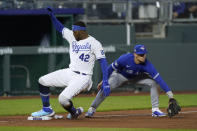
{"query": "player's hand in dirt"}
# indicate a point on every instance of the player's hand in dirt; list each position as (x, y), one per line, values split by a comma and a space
(99, 85)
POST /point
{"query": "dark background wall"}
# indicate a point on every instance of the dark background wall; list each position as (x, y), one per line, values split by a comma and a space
(174, 56)
(116, 34)
(23, 30)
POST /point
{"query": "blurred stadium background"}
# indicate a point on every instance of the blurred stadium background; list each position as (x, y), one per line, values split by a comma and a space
(30, 47)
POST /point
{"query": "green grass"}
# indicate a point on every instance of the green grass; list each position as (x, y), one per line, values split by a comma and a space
(85, 129)
(27, 106)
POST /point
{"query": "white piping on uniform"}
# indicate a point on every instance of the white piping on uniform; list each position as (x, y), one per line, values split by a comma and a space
(113, 66)
(156, 76)
(100, 57)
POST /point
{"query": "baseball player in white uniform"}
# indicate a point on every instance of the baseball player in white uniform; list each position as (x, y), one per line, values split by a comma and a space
(84, 50)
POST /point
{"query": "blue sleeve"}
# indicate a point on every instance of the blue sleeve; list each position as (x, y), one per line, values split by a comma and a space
(59, 27)
(150, 69)
(119, 63)
(162, 83)
(110, 70)
(103, 63)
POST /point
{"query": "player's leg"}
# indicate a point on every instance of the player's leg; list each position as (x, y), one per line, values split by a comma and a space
(75, 86)
(115, 81)
(46, 110)
(154, 96)
(54, 79)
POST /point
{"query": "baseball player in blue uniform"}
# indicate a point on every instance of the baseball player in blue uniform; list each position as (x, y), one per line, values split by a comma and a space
(133, 67)
(83, 50)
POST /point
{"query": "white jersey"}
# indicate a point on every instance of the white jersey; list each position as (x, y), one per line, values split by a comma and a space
(83, 53)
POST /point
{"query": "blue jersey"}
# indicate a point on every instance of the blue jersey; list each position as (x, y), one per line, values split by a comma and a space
(126, 66)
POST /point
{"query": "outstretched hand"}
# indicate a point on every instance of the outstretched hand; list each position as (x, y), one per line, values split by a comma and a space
(105, 88)
(173, 107)
(50, 10)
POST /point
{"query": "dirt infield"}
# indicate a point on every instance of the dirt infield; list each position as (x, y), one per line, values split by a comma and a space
(187, 119)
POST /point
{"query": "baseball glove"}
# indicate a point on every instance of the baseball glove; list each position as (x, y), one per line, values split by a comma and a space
(173, 108)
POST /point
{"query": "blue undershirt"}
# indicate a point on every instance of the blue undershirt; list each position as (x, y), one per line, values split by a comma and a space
(103, 63)
(59, 27)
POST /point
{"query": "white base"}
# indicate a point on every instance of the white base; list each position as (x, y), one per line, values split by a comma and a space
(45, 117)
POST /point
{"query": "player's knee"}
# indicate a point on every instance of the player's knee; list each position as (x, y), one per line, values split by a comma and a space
(152, 83)
(63, 100)
(42, 81)
(43, 89)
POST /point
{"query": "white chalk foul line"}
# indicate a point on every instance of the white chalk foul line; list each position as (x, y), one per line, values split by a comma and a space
(187, 112)
(106, 116)
(3, 121)
(127, 115)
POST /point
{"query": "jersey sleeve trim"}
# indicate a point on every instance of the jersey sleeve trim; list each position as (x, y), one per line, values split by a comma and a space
(113, 66)
(100, 57)
(156, 76)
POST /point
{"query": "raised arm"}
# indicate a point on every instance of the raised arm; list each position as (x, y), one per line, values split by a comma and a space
(58, 26)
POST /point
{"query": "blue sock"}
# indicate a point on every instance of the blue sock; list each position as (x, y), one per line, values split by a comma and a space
(71, 108)
(45, 100)
(44, 94)
(47, 109)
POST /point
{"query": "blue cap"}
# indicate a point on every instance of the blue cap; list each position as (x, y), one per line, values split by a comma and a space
(140, 49)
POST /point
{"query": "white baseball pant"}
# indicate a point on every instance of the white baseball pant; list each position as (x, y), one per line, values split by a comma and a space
(73, 83)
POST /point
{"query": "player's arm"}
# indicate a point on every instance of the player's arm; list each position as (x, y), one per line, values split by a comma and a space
(103, 63)
(58, 25)
(110, 70)
(116, 65)
(173, 107)
(100, 56)
(108, 73)
(156, 76)
(104, 85)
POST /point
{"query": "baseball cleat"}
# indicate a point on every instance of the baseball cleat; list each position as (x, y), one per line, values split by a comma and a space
(90, 112)
(43, 112)
(158, 113)
(79, 111)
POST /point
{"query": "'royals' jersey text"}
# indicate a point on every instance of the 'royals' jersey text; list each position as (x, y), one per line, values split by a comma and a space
(83, 53)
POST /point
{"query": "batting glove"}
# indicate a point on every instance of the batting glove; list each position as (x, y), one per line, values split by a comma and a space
(105, 88)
